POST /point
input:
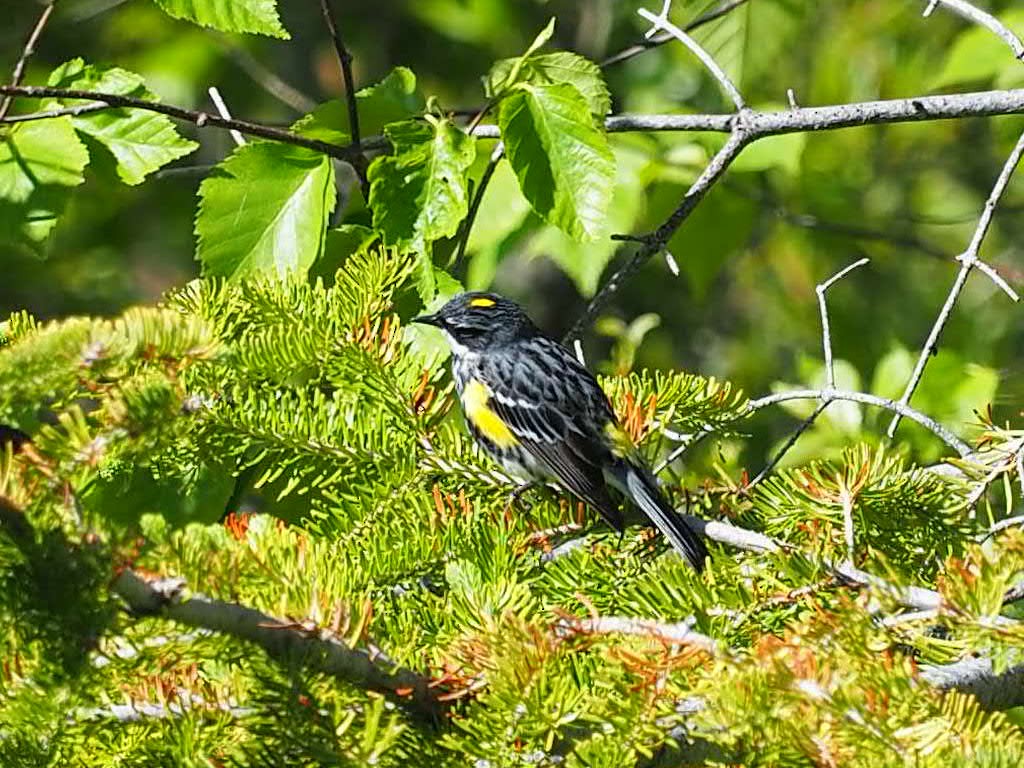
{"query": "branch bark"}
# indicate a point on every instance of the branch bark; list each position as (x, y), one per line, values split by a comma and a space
(282, 640)
(26, 54)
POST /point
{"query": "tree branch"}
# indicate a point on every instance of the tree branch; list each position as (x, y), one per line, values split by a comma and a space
(661, 22)
(199, 119)
(978, 16)
(968, 260)
(657, 240)
(358, 159)
(977, 677)
(318, 649)
(26, 54)
(902, 409)
(658, 40)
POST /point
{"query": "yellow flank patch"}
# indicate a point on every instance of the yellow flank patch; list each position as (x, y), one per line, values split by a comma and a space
(483, 301)
(474, 401)
(618, 440)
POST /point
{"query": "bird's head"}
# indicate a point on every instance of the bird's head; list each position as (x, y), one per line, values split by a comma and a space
(477, 321)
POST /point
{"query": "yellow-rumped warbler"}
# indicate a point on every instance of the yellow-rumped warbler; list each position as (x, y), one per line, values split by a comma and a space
(544, 417)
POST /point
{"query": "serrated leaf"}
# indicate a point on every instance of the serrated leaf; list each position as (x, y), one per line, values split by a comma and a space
(563, 162)
(585, 262)
(40, 162)
(265, 210)
(559, 67)
(419, 194)
(507, 72)
(140, 141)
(255, 16)
(394, 98)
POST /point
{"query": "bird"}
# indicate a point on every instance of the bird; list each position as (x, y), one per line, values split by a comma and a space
(542, 415)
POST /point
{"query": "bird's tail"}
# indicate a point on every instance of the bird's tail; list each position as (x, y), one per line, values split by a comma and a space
(642, 488)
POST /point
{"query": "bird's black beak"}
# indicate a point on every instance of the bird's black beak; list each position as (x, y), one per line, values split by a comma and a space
(434, 320)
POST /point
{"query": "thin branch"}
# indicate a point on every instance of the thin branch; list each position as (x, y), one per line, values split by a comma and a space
(759, 124)
(902, 409)
(318, 649)
(26, 54)
(680, 633)
(265, 78)
(968, 260)
(81, 109)
(659, 40)
(659, 239)
(978, 678)
(345, 61)
(830, 376)
(199, 119)
(474, 206)
(826, 333)
(791, 441)
(222, 110)
(661, 22)
(978, 16)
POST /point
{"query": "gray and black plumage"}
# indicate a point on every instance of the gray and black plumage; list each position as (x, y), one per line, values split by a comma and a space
(544, 417)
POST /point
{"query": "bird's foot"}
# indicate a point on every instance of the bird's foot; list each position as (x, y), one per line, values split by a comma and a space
(515, 498)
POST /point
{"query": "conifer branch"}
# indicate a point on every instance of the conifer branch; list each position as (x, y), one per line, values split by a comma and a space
(318, 649)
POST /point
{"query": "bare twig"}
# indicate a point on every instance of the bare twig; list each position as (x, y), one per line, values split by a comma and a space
(656, 241)
(826, 332)
(222, 109)
(830, 376)
(278, 638)
(345, 61)
(978, 16)
(680, 633)
(759, 124)
(659, 40)
(661, 22)
(268, 80)
(968, 260)
(791, 441)
(902, 409)
(26, 54)
(474, 206)
(199, 119)
(81, 109)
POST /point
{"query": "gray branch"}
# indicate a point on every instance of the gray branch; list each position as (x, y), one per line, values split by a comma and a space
(978, 678)
(968, 261)
(318, 649)
(885, 403)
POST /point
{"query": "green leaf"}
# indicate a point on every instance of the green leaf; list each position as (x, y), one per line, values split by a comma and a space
(586, 262)
(507, 72)
(419, 194)
(40, 162)
(394, 98)
(140, 141)
(265, 210)
(559, 67)
(255, 16)
(977, 55)
(564, 164)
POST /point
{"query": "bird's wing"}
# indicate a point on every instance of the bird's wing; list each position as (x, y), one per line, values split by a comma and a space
(555, 409)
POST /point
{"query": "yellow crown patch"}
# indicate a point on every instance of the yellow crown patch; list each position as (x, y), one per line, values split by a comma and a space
(483, 301)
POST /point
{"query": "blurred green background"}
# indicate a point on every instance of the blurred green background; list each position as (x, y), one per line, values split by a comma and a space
(793, 210)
